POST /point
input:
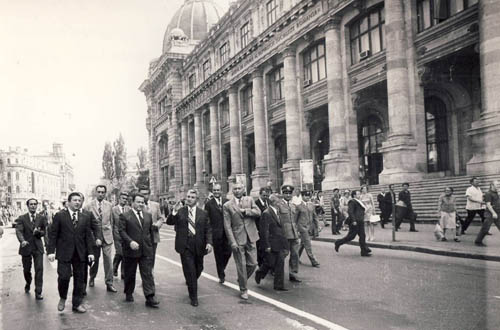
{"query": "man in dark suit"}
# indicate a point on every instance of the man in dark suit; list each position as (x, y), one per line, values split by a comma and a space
(356, 211)
(30, 228)
(193, 239)
(262, 202)
(389, 202)
(275, 245)
(222, 250)
(136, 232)
(405, 211)
(72, 240)
(122, 207)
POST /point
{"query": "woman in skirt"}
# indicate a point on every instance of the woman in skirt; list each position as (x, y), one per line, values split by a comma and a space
(447, 213)
(367, 199)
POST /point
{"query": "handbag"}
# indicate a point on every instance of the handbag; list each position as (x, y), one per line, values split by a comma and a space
(374, 218)
(438, 232)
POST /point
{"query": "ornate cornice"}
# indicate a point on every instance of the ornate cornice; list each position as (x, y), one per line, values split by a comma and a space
(288, 51)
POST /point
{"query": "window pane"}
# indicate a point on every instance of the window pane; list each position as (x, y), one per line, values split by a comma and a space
(313, 54)
(382, 14)
(472, 2)
(322, 68)
(365, 42)
(363, 25)
(426, 8)
(353, 31)
(314, 72)
(456, 6)
(374, 19)
(307, 72)
(382, 38)
(375, 35)
(321, 50)
(355, 51)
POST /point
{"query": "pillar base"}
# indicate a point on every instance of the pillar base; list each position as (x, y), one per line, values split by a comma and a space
(291, 173)
(485, 134)
(338, 172)
(401, 161)
(260, 177)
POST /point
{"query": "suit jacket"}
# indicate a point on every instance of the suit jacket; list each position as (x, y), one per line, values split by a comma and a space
(64, 238)
(116, 227)
(305, 216)
(202, 226)
(389, 199)
(288, 215)
(356, 211)
(273, 234)
(24, 232)
(157, 216)
(262, 207)
(241, 228)
(216, 219)
(405, 196)
(132, 230)
(105, 224)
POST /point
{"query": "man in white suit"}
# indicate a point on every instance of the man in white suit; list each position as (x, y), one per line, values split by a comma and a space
(240, 214)
(156, 215)
(102, 211)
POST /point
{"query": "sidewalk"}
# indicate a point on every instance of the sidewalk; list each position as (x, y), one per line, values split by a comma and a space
(424, 241)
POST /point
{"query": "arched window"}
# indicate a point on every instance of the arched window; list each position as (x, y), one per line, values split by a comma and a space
(371, 136)
(436, 129)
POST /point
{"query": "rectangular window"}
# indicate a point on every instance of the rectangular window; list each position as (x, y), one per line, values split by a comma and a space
(192, 81)
(206, 69)
(314, 64)
(224, 53)
(244, 35)
(164, 179)
(432, 12)
(246, 101)
(367, 35)
(277, 84)
(272, 12)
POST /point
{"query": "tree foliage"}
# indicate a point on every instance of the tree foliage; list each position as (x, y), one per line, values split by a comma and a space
(142, 155)
(120, 158)
(108, 167)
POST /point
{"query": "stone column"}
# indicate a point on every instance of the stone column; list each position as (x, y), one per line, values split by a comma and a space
(261, 174)
(198, 147)
(290, 169)
(214, 140)
(234, 127)
(185, 153)
(400, 148)
(485, 132)
(337, 163)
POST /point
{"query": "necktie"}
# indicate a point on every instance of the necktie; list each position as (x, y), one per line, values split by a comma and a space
(191, 223)
(33, 219)
(100, 211)
(141, 219)
(75, 220)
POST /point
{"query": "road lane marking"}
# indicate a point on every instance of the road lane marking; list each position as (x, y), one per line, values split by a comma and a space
(276, 303)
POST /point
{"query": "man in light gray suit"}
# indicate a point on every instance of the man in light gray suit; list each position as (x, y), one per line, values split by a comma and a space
(240, 214)
(288, 215)
(102, 211)
(122, 207)
(157, 216)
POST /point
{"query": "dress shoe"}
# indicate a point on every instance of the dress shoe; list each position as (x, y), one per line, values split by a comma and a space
(61, 304)
(257, 277)
(479, 244)
(91, 283)
(111, 288)
(152, 302)
(338, 233)
(488, 233)
(38, 296)
(295, 279)
(368, 250)
(280, 289)
(244, 296)
(115, 273)
(27, 288)
(366, 254)
(222, 280)
(194, 302)
(413, 230)
(337, 246)
(79, 309)
(129, 298)
(316, 265)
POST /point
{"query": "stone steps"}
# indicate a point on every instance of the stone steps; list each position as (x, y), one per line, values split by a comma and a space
(425, 194)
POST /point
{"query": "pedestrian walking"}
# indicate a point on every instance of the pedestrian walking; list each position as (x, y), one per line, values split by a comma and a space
(103, 213)
(492, 201)
(367, 199)
(447, 213)
(153, 208)
(475, 203)
(72, 243)
(30, 228)
(240, 214)
(337, 216)
(355, 220)
(404, 208)
(117, 210)
(305, 219)
(275, 244)
(321, 202)
(344, 202)
(222, 249)
(136, 232)
(193, 239)
(389, 202)
(262, 203)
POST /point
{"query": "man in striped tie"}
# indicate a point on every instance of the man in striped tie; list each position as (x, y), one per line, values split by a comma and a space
(193, 239)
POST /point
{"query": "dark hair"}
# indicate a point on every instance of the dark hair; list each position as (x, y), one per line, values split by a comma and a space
(472, 179)
(264, 189)
(143, 188)
(124, 193)
(101, 186)
(137, 195)
(31, 199)
(74, 193)
(335, 189)
(405, 184)
(448, 187)
(390, 186)
(353, 193)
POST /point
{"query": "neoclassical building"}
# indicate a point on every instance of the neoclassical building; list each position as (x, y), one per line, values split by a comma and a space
(372, 91)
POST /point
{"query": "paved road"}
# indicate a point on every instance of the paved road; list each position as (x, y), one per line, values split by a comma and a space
(391, 290)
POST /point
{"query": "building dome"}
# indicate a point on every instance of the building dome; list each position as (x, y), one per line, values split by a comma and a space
(192, 20)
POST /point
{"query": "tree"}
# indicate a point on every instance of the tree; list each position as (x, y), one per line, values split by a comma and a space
(120, 158)
(143, 178)
(108, 167)
(142, 155)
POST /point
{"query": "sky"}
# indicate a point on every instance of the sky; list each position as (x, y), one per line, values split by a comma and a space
(70, 72)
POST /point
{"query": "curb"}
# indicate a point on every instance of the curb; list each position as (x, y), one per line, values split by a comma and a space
(418, 249)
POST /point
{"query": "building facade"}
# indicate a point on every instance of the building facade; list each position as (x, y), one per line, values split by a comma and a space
(371, 91)
(44, 177)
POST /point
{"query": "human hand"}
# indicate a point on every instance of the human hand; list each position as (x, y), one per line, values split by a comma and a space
(91, 258)
(495, 216)
(134, 246)
(209, 248)
(24, 243)
(98, 242)
(52, 257)
(234, 247)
